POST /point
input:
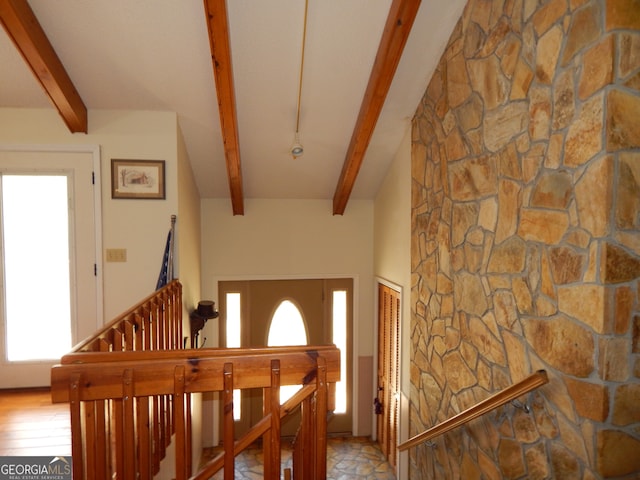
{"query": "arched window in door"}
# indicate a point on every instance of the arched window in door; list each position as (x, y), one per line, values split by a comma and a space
(287, 328)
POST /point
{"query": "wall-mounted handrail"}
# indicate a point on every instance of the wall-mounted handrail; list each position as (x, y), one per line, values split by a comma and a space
(507, 395)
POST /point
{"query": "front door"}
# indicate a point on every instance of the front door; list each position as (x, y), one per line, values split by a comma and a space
(48, 294)
(288, 312)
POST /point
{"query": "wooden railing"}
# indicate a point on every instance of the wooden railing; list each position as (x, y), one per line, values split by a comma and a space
(152, 325)
(129, 388)
(129, 380)
(507, 395)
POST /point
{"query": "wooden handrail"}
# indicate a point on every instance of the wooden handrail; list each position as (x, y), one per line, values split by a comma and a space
(154, 323)
(510, 393)
(154, 371)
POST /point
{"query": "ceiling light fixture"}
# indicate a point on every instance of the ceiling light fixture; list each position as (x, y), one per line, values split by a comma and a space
(297, 149)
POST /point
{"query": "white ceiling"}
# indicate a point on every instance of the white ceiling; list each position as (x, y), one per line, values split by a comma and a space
(155, 55)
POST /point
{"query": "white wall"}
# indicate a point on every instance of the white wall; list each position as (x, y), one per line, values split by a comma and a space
(392, 262)
(140, 226)
(294, 239)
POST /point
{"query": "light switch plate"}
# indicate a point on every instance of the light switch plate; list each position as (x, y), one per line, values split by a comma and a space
(116, 254)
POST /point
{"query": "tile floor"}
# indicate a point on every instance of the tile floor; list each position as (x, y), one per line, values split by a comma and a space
(347, 458)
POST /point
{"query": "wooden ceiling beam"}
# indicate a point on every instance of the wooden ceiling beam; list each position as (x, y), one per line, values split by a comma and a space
(27, 34)
(218, 26)
(396, 31)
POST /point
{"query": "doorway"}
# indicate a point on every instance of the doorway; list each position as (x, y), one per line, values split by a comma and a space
(388, 386)
(48, 261)
(260, 313)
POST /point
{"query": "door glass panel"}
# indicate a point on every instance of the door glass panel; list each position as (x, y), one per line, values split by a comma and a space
(287, 328)
(35, 224)
(340, 341)
(233, 341)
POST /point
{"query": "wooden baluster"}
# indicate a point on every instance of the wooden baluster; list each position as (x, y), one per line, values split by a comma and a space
(178, 402)
(297, 453)
(145, 463)
(275, 455)
(129, 335)
(109, 338)
(158, 444)
(76, 427)
(303, 469)
(188, 446)
(155, 327)
(137, 330)
(164, 438)
(163, 322)
(268, 435)
(129, 432)
(178, 296)
(173, 328)
(103, 448)
(94, 346)
(117, 416)
(166, 300)
(312, 439)
(227, 421)
(169, 419)
(146, 329)
(321, 420)
(89, 409)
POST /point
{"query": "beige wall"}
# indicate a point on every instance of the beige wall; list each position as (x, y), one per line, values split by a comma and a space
(140, 226)
(188, 269)
(294, 239)
(188, 237)
(392, 237)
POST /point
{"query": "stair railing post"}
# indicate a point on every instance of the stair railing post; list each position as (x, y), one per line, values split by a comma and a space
(275, 454)
(321, 420)
(228, 426)
(180, 423)
(76, 427)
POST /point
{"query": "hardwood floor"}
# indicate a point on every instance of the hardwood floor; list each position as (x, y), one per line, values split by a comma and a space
(30, 425)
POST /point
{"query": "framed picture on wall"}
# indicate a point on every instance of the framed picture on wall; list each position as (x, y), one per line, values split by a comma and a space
(137, 179)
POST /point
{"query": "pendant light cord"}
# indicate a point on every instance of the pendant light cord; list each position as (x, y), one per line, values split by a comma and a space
(304, 38)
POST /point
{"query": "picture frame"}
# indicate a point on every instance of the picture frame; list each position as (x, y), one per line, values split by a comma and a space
(137, 179)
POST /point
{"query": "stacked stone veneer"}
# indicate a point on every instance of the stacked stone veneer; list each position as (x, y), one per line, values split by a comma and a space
(526, 241)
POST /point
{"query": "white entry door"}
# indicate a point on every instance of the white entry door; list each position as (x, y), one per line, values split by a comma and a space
(49, 297)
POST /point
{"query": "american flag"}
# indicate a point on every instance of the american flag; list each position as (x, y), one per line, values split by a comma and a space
(166, 271)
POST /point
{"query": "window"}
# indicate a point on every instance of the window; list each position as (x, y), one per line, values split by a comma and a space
(287, 328)
(35, 225)
(233, 341)
(339, 324)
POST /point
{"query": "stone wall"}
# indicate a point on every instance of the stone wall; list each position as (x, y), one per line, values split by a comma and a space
(526, 241)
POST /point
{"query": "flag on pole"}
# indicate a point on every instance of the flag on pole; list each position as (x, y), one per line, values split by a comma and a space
(166, 270)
